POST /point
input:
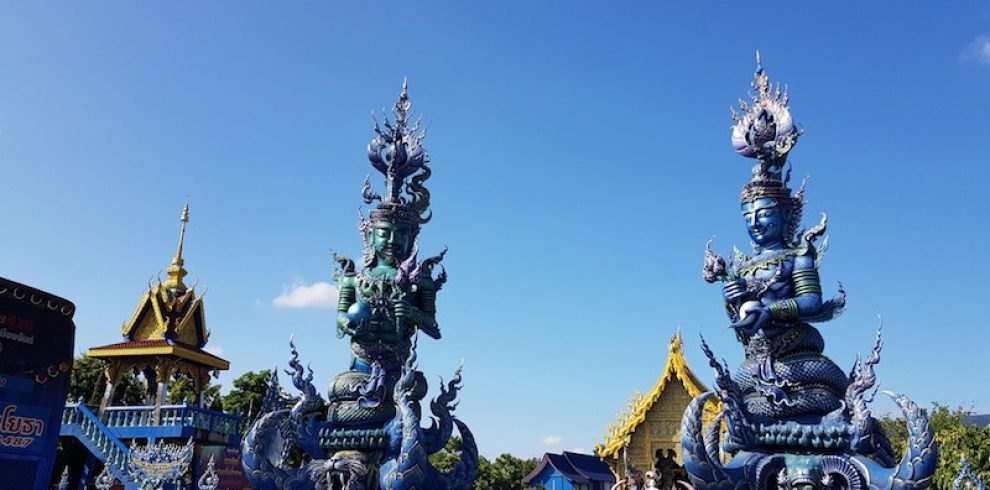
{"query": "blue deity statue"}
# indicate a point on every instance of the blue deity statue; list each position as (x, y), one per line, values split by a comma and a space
(794, 419)
(773, 296)
(366, 435)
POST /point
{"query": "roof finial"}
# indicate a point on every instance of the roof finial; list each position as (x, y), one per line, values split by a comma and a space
(676, 343)
(184, 218)
(175, 271)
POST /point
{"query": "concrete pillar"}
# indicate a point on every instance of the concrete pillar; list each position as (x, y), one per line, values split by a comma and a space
(201, 382)
(159, 399)
(163, 373)
(107, 398)
(113, 374)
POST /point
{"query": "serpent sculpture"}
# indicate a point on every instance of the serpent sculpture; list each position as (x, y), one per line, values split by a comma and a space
(793, 419)
(367, 435)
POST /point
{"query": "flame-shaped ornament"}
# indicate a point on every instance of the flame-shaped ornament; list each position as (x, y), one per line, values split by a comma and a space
(765, 129)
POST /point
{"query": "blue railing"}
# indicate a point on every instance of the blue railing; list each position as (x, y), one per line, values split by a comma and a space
(80, 420)
(172, 416)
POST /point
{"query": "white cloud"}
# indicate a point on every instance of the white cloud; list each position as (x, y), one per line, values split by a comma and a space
(215, 350)
(300, 295)
(552, 440)
(580, 450)
(979, 50)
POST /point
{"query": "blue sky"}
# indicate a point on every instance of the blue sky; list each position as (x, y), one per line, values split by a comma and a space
(581, 160)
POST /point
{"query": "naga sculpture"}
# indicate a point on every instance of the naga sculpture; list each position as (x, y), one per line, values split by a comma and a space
(367, 434)
(793, 419)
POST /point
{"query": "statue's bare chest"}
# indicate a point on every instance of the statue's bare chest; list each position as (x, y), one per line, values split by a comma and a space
(769, 278)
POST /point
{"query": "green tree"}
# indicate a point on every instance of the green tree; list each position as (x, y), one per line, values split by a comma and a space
(182, 389)
(248, 391)
(446, 458)
(88, 381)
(505, 473)
(955, 440)
(508, 471)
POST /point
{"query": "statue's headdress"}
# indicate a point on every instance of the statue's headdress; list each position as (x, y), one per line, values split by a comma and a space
(765, 131)
(397, 153)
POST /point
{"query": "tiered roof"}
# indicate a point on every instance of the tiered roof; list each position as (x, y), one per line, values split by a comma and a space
(169, 320)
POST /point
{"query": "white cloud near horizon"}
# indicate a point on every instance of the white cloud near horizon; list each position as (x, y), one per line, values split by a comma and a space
(301, 295)
(552, 440)
(979, 50)
(215, 350)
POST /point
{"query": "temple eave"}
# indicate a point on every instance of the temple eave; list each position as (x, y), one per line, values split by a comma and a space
(159, 348)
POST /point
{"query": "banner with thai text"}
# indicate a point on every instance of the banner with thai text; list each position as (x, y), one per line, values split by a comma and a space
(37, 337)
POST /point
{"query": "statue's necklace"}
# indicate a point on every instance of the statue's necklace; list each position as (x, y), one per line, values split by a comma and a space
(764, 262)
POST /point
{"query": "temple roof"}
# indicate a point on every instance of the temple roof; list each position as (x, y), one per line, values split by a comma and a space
(590, 466)
(165, 312)
(169, 319)
(675, 370)
(575, 467)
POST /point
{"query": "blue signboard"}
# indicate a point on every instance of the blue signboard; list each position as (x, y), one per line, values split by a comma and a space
(22, 427)
(36, 343)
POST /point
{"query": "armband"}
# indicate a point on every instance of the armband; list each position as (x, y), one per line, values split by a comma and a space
(806, 282)
(786, 309)
(427, 301)
(347, 298)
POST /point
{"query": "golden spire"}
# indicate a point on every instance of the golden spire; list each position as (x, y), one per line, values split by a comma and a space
(676, 343)
(175, 271)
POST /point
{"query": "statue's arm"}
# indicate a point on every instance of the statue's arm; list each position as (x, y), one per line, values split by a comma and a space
(807, 297)
(425, 304)
(348, 296)
(735, 294)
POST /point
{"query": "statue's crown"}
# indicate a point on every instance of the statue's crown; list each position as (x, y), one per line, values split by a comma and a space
(764, 130)
(397, 153)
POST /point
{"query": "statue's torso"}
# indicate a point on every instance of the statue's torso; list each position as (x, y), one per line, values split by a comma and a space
(793, 347)
(768, 275)
(383, 339)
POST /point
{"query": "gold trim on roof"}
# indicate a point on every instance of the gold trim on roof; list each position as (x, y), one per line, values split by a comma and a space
(179, 351)
(619, 434)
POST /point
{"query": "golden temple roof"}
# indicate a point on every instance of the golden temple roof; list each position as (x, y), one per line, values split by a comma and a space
(168, 313)
(675, 370)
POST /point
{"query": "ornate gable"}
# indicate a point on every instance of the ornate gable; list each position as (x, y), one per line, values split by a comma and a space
(655, 415)
(166, 314)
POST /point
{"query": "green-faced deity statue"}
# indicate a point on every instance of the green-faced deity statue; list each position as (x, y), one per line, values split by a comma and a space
(393, 294)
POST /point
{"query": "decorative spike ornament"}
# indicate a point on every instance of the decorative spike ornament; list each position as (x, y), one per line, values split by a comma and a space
(63, 481)
(210, 480)
(105, 480)
(966, 479)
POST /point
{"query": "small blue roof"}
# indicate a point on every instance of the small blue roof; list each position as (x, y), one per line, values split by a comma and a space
(575, 467)
(590, 466)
